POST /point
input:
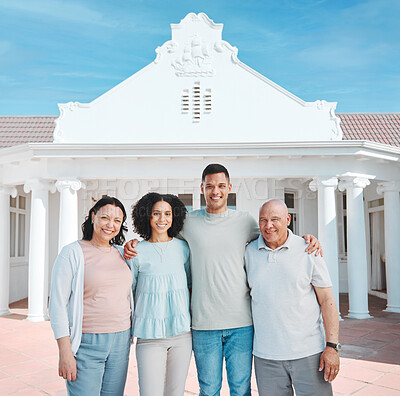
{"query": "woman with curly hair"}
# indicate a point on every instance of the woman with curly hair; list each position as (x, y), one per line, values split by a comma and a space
(161, 277)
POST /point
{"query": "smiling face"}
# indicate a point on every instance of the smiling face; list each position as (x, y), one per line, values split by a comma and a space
(216, 188)
(161, 219)
(273, 221)
(107, 223)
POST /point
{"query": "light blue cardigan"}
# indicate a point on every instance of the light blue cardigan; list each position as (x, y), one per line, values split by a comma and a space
(66, 294)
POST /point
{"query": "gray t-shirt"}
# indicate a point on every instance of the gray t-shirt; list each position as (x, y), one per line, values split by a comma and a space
(220, 293)
(286, 314)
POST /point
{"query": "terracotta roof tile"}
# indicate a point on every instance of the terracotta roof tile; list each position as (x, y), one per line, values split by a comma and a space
(16, 130)
(376, 127)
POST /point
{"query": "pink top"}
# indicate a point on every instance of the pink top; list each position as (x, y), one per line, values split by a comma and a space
(107, 283)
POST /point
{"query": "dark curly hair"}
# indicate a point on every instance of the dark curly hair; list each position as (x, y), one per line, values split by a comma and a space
(141, 214)
(87, 226)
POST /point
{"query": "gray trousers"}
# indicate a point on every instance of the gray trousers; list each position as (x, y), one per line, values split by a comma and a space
(276, 377)
(163, 365)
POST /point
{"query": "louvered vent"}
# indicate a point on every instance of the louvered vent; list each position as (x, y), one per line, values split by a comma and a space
(196, 102)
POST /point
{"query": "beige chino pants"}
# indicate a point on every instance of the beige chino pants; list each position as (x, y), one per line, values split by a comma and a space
(163, 364)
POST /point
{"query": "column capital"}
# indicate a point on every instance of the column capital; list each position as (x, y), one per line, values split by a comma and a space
(72, 184)
(390, 186)
(39, 184)
(10, 190)
(351, 181)
(318, 182)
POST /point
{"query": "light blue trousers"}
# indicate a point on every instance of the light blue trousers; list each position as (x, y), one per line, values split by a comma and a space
(102, 365)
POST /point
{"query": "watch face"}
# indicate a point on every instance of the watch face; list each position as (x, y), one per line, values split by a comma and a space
(338, 346)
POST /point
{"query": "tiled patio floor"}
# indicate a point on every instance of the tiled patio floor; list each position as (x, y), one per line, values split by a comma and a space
(370, 356)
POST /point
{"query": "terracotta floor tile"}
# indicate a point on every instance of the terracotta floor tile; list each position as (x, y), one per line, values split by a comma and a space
(370, 350)
(3, 375)
(390, 381)
(28, 392)
(371, 343)
(29, 367)
(54, 388)
(372, 390)
(377, 366)
(10, 385)
(388, 356)
(360, 373)
(40, 351)
(12, 358)
(355, 332)
(51, 361)
(378, 336)
(40, 378)
(396, 370)
(346, 386)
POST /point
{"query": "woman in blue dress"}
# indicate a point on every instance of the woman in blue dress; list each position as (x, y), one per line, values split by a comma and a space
(161, 278)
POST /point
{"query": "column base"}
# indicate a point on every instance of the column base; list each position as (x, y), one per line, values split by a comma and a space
(5, 311)
(359, 315)
(37, 318)
(392, 308)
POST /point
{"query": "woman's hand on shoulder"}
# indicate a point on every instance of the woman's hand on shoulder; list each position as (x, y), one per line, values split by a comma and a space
(129, 249)
(314, 245)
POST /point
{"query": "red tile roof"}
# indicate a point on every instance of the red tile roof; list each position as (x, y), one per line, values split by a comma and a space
(16, 130)
(376, 127)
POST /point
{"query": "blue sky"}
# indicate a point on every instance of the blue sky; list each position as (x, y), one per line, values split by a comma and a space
(56, 51)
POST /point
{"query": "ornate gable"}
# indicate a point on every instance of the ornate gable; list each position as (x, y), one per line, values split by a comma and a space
(196, 90)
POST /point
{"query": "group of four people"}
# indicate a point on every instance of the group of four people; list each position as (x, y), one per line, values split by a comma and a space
(99, 300)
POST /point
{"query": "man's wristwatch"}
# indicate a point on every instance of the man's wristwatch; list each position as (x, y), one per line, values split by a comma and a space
(337, 347)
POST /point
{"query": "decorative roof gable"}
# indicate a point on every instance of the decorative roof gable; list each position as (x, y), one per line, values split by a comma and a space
(197, 90)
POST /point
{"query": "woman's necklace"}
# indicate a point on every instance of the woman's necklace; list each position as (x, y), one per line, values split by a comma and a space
(104, 249)
(159, 250)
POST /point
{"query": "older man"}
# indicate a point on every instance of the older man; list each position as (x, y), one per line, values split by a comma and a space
(290, 291)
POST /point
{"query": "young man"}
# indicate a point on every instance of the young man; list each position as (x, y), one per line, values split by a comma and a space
(221, 313)
(290, 290)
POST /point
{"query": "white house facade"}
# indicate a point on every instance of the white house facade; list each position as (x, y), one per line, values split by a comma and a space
(196, 104)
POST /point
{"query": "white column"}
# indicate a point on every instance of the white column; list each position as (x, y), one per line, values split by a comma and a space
(327, 227)
(196, 198)
(5, 193)
(38, 263)
(391, 196)
(357, 267)
(68, 226)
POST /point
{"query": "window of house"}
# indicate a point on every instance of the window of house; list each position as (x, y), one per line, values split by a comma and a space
(17, 226)
(187, 199)
(290, 201)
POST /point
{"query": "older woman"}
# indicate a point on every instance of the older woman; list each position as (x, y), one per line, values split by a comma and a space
(161, 275)
(90, 304)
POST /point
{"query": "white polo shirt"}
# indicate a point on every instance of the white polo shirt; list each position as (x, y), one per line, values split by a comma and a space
(286, 313)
